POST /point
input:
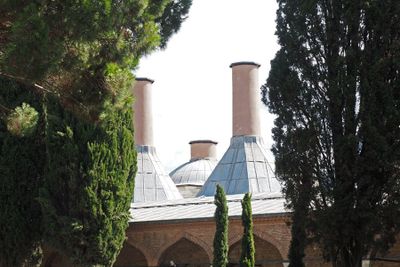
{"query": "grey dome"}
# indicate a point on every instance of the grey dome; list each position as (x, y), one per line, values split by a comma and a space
(194, 172)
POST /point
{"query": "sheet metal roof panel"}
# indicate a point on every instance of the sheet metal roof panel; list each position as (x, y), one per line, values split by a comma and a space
(234, 166)
(151, 181)
(204, 207)
(193, 172)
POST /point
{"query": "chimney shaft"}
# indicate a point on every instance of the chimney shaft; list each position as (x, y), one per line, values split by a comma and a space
(200, 149)
(143, 118)
(245, 99)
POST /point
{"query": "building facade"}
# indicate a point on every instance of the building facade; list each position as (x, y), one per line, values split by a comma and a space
(172, 216)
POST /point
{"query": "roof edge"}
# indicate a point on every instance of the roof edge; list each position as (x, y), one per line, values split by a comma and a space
(210, 219)
(205, 141)
(244, 63)
(144, 79)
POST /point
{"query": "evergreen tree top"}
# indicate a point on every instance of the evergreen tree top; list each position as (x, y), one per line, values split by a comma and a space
(83, 51)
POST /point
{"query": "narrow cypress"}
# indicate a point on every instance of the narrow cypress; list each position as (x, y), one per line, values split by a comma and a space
(88, 184)
(221, 232)
(247, 256)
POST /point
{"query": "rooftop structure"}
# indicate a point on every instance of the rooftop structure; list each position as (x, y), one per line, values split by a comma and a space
(190, 176)
(244, 166)
(152, 183)
(265, 204)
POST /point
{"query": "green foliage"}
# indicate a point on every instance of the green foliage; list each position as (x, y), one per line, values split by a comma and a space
(89, 183)
(299, 234)
(23, 120)
(247, 258)
(334, 87)
(21, 174)
(67, 47)
(74, 134)
(174, 14)
(221, 232)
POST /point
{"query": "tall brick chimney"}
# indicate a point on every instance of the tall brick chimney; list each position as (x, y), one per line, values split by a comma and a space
(152, 182)
(143, 119)
(245, 99)
(244, 167)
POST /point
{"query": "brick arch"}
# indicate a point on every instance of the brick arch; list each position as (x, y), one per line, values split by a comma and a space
(264, 236)
(197, 241)
(271, 239)
(143, 251)
(233, 239)
(184, 251)
(266, 253)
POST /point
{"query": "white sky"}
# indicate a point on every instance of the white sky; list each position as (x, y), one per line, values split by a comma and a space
(192, 92)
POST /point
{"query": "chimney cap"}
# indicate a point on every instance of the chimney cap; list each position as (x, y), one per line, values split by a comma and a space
(144, 79)
(244, 63)
(202, 142)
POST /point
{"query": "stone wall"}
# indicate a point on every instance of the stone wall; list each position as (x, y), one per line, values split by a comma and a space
(189, 243)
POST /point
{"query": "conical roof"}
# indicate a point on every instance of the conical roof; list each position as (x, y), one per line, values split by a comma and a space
(243, 168)
(152, 183)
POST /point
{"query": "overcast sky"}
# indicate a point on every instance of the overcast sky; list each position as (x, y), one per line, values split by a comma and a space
(192, 92)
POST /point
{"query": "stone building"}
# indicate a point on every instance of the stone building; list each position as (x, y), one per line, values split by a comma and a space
(190, 176)
(179, 231)
(172, 221)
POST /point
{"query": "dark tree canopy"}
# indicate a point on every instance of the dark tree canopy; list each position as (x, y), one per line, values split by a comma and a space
(83, 50)
(221, 232)
(21, 173)
(335, 88)
(88, 186)
(68, 159)
(247, 255)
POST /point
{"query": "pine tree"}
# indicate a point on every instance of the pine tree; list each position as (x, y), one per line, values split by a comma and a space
(247, 258)
(82, 51)
(334, 87)
(221, 231)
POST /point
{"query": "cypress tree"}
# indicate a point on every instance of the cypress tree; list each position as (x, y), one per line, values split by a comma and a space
(88, 184)
(21, 174)
(221, 231)
(76, 57)
(247, 258)
(299, 236)
(334, 87)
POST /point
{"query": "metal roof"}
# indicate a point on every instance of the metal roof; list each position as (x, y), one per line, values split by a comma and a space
(152, 183)
(243, 168)
(265, 204)
(194, 172)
